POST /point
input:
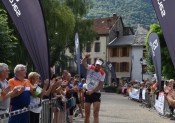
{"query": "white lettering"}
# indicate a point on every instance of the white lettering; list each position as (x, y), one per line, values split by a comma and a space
(11, 1)
(154, 46)
(161, 7)
(15, 7)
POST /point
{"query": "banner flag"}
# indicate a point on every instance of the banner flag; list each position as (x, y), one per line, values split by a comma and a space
(112, 70)
(154, 44)
(164, 10)
(77, 51)
(28, 18)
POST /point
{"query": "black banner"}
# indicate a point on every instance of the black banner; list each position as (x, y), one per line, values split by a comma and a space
(154, 44)
(28, 18)
(165, 13)
(112, 70)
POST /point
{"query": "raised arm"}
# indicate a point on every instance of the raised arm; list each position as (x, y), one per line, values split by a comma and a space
(84, 61)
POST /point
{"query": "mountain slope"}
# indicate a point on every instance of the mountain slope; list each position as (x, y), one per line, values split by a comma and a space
(133, 12)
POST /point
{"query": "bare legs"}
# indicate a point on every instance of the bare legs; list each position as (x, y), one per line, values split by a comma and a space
(96, 106)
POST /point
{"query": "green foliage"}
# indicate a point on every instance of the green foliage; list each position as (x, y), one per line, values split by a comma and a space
(60, 25)
(82, 26)
(167, 66)
(63, 19)
(132, 11)
(7, 39)
(79, 7)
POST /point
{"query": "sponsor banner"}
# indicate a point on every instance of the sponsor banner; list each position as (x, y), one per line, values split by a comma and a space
(77, 51)
(143, 93)
(134, 94)
(154, 44)
(159, 103)
(28, 18)
(112, 70)
(165, 13)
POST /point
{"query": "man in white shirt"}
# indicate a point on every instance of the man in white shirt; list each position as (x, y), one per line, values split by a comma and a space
(5, 91)
(94, 83)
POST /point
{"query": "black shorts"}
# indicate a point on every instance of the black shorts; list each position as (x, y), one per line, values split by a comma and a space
(95, 97)
(77, 100)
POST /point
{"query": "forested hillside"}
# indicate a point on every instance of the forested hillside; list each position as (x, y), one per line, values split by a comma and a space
(133, 12)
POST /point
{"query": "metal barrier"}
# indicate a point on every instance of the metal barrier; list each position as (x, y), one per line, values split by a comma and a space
(46, 112)
(46, 115)
(166, 108)
(152, 101)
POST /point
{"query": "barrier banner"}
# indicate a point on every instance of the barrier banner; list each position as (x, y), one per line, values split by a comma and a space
(143, 93)
(159, 103)
(28, 18)
(134, 94)
(154, 44)
(165, 13)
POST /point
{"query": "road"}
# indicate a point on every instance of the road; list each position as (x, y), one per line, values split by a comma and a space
(116, 108)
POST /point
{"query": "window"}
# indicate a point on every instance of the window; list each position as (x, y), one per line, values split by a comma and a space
(88, 47)
(124, 67)
(124, 52)
(116, 66)
(144, 52)
(115, 52)
(97, 47)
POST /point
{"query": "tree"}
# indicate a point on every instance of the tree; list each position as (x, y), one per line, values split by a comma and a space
(83, 26)
(7, 39)
(60, 25)
(167, 66)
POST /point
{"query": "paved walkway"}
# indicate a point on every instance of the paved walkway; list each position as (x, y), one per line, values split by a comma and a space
(116, 108)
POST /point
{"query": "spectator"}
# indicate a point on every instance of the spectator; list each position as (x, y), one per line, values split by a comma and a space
(35, 99)
(5, 91)
(76, 97)
(22, 99)
(170, 96)
(59, 107)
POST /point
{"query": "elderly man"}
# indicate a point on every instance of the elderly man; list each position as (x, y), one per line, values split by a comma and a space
(22, 99)
(94, 80)
(5, 91)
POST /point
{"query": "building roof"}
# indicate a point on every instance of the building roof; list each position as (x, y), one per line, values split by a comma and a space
(122, 41)
(140, 35)
(103, 25)
(128, 31)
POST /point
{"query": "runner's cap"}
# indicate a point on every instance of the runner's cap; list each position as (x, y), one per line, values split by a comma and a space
(99, 62)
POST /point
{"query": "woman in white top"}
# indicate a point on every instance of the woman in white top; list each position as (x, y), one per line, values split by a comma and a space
(35, 99)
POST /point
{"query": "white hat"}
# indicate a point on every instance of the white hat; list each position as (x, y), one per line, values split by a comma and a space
(99, 62)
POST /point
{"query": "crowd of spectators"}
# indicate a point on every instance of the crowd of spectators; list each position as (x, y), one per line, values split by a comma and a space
(152, 92)
(23, 91)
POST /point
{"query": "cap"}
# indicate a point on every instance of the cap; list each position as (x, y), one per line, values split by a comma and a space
(99, 62)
